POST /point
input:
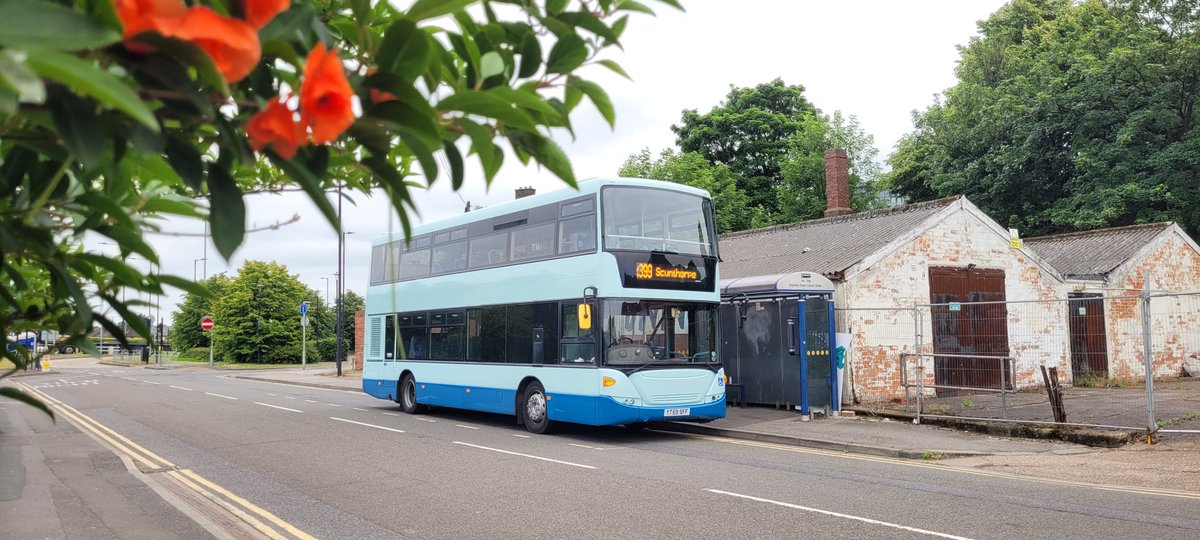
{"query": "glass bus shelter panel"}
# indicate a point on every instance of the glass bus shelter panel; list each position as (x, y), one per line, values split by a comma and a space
(761, 346)
(817, 339)
(728, 321)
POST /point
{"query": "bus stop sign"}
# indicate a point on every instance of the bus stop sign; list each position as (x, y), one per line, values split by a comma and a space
(304, 308)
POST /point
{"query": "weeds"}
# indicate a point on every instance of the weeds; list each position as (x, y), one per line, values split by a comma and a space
(930, 455)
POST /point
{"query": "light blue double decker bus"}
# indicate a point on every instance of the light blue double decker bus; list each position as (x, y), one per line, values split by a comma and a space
(594, 306)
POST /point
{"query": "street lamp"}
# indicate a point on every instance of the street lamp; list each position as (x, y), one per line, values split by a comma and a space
(194, 261)
(341, 285)
(326, 278)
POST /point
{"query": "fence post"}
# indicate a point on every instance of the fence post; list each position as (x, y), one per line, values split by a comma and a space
(1147, 353)
(920, 363)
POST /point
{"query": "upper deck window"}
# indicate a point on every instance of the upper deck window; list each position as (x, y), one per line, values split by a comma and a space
(641, 219)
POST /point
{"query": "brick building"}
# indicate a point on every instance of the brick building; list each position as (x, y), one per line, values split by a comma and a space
(1105, 272)
(884, 262)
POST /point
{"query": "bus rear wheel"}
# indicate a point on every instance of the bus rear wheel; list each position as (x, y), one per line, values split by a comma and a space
(535, 412)
(408, 395)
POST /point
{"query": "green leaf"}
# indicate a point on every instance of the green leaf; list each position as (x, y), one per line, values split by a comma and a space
(406, 50)
(482, 144)
(124, 273)
(615, 67)
(19, 395)
(428, 9)
(15, 75)
(598, 96)
(227, 211)
(32, 23)
(186, 285)
(361, 9)
(394, 185)
(531, 55)
(546, 152)
(568, 53)
(488, 105)
(191, 55)
(456, 164)
(630, 5)
(490, 65)
(528, 99)
(84, 77)
(403, 117)
(79, 127)
(589, 22)
(185, 159)
(311, 185)
(424, 155)
(554, 7)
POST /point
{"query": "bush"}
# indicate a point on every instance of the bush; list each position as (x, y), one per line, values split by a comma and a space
(326, 349)
(195, 354)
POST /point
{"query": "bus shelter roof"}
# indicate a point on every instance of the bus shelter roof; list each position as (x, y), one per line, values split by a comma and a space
(774, 284)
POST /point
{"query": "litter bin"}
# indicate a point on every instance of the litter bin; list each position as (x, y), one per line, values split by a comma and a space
(145, 355)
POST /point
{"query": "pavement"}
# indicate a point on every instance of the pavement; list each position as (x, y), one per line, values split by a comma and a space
(861, 434)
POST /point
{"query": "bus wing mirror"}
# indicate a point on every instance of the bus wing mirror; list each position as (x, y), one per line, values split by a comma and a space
(585, 316)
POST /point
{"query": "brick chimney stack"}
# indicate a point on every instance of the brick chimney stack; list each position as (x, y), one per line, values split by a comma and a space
(525, 192)
(837, 183)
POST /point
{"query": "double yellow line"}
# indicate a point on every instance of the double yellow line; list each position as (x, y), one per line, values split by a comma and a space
(1180, 494)
(244, 510)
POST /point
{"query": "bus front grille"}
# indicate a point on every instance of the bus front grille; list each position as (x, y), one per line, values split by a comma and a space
(671, 399)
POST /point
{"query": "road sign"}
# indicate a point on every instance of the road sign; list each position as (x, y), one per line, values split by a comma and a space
(304, 320)
(206, 323)
(304, 308)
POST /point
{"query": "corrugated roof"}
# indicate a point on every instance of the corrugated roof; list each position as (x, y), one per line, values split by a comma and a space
(1094, 254)
(827, 246)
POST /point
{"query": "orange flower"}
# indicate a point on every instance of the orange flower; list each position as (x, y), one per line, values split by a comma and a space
(325, 95)
(139, 16)
(260, 12)
(276, 127)
(232, 44)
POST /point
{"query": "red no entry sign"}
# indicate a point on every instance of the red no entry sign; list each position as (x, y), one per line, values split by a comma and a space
(206, 323)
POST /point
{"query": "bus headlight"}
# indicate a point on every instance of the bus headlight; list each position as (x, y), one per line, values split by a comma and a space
(608, 381)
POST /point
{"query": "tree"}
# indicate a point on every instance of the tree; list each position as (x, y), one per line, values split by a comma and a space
(113, 114)
(1068, 115)
(259, 316)
(690, 168)
(749, 132)
(354, 303)
(185, 321)
(800, 194)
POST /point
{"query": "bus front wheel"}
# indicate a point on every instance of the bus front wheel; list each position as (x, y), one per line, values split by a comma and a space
(408, 395)
(536, 415)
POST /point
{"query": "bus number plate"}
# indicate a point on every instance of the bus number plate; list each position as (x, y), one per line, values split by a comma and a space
(677, 412)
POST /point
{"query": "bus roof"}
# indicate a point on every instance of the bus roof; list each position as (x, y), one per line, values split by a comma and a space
(590, 185)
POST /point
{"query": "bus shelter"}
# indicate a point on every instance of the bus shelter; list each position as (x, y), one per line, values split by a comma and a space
(777, 336)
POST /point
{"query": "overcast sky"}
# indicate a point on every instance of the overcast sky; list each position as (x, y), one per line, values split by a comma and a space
(876, 59)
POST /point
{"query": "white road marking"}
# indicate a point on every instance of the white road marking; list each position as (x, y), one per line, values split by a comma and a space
(289, 397)
(180, 387)
(521, 436)
(430, 420)
(276, 407)
(836, 514)
(272, 395)
(150, 382)
(465, 426)
(220, 396)
(524, 455)
(126, 378)
(363, 410)
(585, 446)
(312, 401)
(391, 414)
(364, 424)
(333, 404)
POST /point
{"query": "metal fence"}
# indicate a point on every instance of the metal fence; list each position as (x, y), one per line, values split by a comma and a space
(1079, 360)
(156, 359)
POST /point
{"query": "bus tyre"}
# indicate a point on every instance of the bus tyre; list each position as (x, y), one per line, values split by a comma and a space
(408, 395)
(535, 408)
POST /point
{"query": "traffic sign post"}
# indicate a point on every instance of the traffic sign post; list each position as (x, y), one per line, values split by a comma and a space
(206, 324)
